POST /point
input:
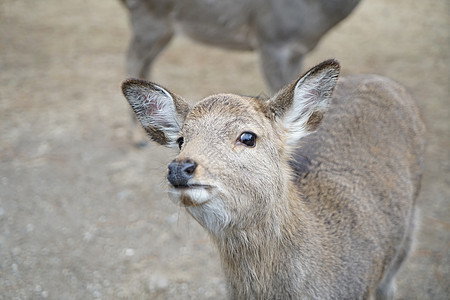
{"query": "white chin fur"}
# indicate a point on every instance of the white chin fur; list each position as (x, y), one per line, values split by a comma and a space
(197, 196)
(211, 215)
(205, 207)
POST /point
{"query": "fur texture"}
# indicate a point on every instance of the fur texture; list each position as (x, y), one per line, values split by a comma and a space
(320, 205)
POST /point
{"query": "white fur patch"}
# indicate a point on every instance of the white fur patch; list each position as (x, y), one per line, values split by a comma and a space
(156, 109)
(197, 195)
(211, 215)
(306, 101)
(311, 93)
(208, 209)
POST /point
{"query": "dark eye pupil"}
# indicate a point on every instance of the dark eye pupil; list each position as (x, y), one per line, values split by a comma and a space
(248, 139)
(180, 142)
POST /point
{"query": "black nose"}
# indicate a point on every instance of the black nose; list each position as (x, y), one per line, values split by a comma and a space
(180, 172)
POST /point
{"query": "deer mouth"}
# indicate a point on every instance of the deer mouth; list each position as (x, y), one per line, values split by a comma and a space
(192, 194)
(194, 186)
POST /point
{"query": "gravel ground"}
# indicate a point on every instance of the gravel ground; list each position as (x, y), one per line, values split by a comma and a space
(85, 215)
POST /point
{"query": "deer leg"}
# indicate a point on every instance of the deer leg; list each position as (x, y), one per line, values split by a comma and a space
(147, 43)
(281, 63)
(151, 34)
(150, 37)
(386, 289)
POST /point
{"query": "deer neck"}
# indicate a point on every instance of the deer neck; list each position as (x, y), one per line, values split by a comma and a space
(258, 259)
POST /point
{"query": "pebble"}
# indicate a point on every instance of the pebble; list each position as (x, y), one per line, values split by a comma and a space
(129, 252)
(158, 282)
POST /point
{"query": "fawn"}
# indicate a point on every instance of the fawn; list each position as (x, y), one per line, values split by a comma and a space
(307, 195)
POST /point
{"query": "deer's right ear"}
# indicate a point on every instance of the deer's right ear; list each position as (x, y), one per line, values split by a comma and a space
(301, 105)
(160, 112)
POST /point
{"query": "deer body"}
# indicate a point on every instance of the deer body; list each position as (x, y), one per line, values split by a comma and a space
(282, 31)
(304, 199)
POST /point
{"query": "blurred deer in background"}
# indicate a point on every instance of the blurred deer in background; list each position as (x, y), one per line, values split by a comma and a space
(307, 195)
(282, 31)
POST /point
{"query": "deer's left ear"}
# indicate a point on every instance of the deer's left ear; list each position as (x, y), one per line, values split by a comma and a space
(160, 112)
(301, 105)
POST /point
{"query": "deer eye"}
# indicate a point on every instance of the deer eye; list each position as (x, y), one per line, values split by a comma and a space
(248, 139)
(180, 142)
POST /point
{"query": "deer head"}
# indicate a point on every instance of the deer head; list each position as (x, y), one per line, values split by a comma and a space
(232, 170)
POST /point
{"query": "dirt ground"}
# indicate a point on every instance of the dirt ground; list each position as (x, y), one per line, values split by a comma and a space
(85, 215)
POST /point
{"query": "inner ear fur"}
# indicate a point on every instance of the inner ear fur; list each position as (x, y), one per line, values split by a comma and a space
(160, 112)
(301, 105)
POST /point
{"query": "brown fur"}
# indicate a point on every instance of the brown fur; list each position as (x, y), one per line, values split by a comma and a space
(329, 217)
